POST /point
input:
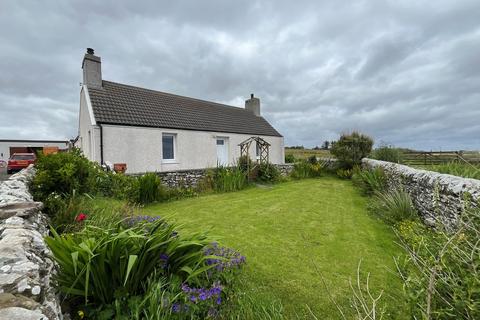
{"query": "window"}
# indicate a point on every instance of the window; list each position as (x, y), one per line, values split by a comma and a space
(220, 142)
(168, 147)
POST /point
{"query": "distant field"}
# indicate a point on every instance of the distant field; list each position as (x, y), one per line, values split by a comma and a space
(305, 153)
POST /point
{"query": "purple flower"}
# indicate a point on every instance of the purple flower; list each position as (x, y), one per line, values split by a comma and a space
(227, 258)
(176, 308)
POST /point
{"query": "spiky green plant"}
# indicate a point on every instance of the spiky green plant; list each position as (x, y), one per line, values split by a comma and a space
(394, 206)
(226, 179)
(101, 263)
(369, 181)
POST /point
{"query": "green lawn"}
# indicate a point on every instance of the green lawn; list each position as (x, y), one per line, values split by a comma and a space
(293, 232)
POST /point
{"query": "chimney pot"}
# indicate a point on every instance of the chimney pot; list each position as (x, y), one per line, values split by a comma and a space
(251, 95)
(90, 51)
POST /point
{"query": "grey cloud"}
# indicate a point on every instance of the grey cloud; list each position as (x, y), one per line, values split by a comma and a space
(404, 72)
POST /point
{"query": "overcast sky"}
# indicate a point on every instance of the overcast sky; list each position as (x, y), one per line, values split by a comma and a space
(405, 72)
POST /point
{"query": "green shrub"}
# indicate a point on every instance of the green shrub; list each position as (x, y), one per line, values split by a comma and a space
(388, 153)
(245, 163)
(369, 181)
(290, 158)
(268, 173)
(441, 274)
(393, 206)
(115, 185)
(226, 179)
(312, 159)
(62, 174)
(351, 148)
(101, 263)
(146, 189)
(305, 169)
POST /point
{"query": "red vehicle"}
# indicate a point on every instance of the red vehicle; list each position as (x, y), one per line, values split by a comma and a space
(19, 161)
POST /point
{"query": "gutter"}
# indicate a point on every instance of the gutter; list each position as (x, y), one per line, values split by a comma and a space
(101, 142)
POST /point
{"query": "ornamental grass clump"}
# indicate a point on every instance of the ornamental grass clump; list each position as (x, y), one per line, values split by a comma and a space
(393, 206)
(306, 169)
(226, 179)
(369, 181)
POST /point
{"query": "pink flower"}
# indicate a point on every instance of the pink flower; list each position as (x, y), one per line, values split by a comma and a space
(81, 217)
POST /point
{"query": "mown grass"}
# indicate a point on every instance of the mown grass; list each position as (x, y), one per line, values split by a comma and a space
(293, 235)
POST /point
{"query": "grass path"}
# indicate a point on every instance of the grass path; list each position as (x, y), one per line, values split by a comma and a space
(292, 232)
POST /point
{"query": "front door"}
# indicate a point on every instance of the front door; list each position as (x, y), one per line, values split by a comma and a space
(222, 152)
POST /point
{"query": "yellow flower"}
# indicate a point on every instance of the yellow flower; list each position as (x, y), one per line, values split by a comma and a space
(81, 314)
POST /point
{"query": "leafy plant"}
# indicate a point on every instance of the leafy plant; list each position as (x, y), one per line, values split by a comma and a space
(226, 179)
(305, 169)
(344, 173)
(148, 188)
(388, 153)
(268, 173)
(62, 174)
(290, 158)
(369, 181)
(441, 273)
(100, 264)
(351, 148)
(393, 206)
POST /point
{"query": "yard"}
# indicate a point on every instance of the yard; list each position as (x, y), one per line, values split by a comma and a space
(293, 235)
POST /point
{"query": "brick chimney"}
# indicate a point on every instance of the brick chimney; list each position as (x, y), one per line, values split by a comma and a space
(253, 105)
(92, 69)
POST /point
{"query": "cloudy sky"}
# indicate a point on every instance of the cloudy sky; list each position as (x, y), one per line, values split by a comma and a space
(405, 72)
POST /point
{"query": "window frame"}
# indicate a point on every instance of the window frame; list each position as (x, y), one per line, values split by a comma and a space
(174, 138)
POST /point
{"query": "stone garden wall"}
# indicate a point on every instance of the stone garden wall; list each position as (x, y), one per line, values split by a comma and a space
(439, 198)
(26, 266)
(191, 178)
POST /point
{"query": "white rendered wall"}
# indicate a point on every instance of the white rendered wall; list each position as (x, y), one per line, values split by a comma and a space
(141, 148)
(88, 132)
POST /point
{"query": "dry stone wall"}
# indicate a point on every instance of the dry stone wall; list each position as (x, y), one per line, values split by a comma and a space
(191, 178)
(439, 198)
(26, 266)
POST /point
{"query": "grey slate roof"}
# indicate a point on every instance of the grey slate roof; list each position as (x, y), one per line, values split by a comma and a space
(121, 104)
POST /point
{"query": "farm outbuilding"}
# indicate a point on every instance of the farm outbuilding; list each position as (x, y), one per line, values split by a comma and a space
(9, 147)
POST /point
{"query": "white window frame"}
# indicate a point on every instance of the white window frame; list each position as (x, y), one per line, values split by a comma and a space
(174, 135)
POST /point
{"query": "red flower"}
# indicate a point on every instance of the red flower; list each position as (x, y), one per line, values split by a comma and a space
(81, 217)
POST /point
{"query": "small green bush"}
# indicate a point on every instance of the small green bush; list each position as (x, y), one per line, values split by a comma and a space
(62, 174)
(115, 185)
(268, 173)
(393, 206)
(351, 148)
(312, 159)
(388, 153)
(305, 169)
(369, 181)
(146, 189)
(245, 163)
(290, 158)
